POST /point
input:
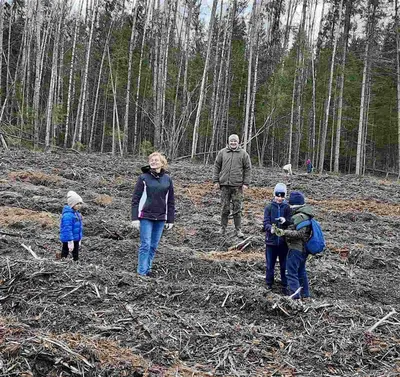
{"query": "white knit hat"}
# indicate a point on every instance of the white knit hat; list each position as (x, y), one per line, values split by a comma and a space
(233, 137)
(73, 198)
(280, 187)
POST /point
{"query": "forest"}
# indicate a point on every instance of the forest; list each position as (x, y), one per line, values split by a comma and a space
(296, 79)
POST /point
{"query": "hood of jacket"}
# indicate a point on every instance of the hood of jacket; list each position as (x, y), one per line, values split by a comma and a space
(298, 213)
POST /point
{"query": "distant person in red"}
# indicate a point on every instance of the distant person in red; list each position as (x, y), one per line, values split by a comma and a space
(309, 166)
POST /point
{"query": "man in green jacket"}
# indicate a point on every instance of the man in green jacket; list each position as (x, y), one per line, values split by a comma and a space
(232, 173)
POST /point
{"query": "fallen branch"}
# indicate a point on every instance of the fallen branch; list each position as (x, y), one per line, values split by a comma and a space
(280, 307)
(75, 289)
(226, 297)
(67, 349)
(96, 290)
(30, 250)
(244, 246)
(373, 327)
(10, 234)
(241, 244)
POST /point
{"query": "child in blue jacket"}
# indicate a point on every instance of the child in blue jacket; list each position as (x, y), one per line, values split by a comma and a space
(71, 227)
(276, 212)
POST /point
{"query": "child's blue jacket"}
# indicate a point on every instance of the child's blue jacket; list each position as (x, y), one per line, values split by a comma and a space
(71, 227)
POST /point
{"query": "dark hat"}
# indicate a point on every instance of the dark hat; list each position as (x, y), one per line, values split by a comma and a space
(296, 198)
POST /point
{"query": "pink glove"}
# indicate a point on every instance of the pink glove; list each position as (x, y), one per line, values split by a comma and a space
(70, 245)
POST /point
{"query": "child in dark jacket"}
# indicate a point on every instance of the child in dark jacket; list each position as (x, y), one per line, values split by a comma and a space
(71, 227)
(276, 212)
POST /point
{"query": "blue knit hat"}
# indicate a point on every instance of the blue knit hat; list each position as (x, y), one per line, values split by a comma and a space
(296, 198)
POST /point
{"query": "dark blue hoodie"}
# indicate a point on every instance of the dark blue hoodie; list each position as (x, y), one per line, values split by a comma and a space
(153, 197)
(272, 212)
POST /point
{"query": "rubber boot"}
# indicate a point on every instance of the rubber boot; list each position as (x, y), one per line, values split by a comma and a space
(238, 222)
(224, 224)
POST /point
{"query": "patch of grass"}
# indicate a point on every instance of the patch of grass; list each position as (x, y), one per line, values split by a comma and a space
(234, 255)
(103, 200)
(35, 177)
(16, 217)
(358, 205)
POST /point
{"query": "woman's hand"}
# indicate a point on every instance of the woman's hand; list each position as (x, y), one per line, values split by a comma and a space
(135, 224)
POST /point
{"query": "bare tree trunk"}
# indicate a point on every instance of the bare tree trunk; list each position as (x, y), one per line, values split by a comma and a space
(38, 73)
(203, 81)
(1, 42)
(96, 98)
(253, 28)
(156, 22)
(315, 154)
(86, 74)
(172, 135)
(328, 102)
(135, 127)
(105, 108)
(254, 93)
(8, 77)
(300, 86)
(333, 130)
(162, 47)
(53, 79)
(397, 23)
(116, 126)
(361, 123)
(366, 116)
(132, 44)
(25, 63)
(222, 130)
(341, 87)
(60, 83)
(223, 63)
(71, 78)
(291, 9)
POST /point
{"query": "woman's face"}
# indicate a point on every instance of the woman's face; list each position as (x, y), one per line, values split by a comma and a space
(155, 163)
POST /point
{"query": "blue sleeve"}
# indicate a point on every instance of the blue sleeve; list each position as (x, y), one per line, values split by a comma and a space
(171, 204)
(66, 228)
(137, 194)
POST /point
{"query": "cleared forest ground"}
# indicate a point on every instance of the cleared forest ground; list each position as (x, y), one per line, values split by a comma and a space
(206, 311)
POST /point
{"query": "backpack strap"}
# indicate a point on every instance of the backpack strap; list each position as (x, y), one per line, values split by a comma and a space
(303, 224)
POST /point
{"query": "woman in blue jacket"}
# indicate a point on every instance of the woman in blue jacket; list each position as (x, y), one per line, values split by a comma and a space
(276, 212)
(153, 209)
